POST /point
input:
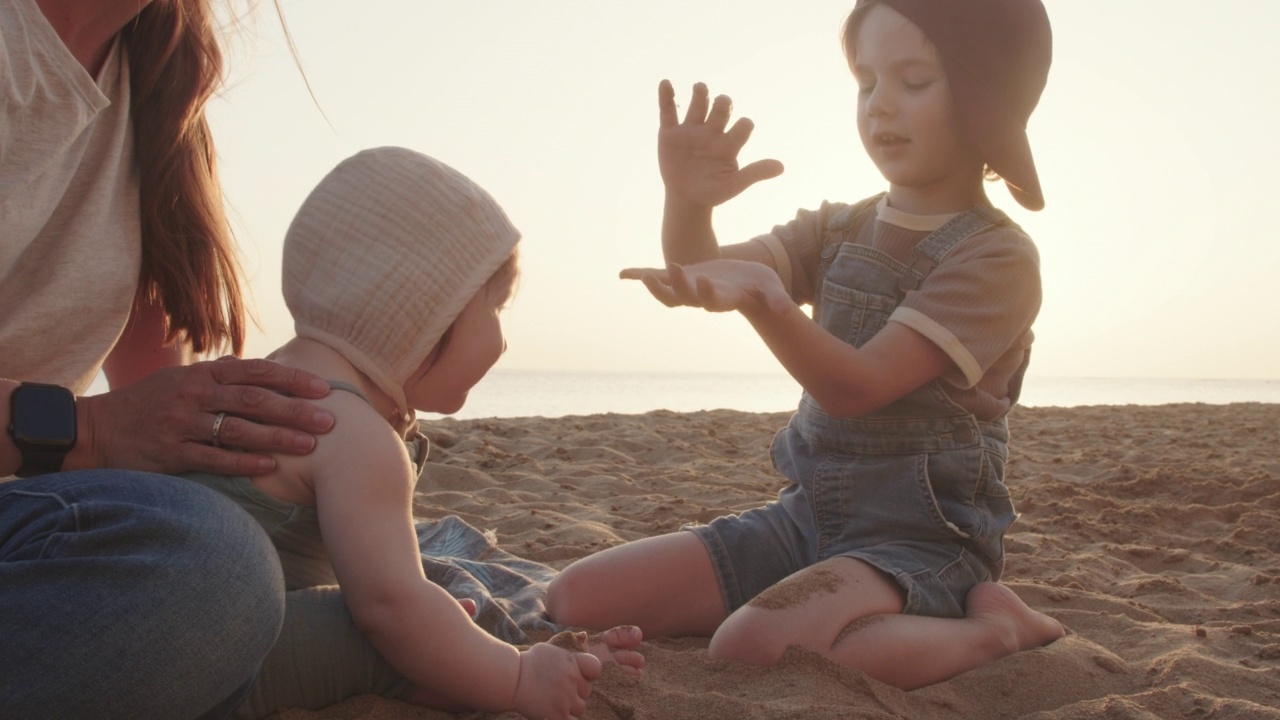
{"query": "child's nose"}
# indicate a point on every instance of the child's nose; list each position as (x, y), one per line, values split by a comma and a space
(881, 101)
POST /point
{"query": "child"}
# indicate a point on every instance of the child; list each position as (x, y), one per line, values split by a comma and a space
(395, 270)
(881, 551)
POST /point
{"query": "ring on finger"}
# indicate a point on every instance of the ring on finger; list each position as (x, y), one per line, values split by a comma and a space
(217, 428)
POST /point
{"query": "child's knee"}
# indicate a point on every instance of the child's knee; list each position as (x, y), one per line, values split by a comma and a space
(751, 636)
(563, 606)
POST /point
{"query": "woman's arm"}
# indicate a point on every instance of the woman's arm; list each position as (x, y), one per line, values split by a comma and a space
(143, 348)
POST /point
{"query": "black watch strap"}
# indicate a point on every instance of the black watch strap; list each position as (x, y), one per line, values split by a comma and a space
(41, 460)
(42, 423)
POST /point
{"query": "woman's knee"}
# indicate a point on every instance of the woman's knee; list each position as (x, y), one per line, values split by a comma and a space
(147, 578)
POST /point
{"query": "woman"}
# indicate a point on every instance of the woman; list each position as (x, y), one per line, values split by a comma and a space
(115, 255)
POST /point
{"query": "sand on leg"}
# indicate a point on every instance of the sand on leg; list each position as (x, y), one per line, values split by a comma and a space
(850, 612)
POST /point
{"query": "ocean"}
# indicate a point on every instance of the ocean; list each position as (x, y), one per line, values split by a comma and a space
(524, 393)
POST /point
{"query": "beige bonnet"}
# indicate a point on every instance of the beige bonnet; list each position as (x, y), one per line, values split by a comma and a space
(384, 254)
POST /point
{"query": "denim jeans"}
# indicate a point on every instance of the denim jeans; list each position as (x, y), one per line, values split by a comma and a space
(130, 595)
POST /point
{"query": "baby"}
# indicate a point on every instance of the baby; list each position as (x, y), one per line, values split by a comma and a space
(396, 269)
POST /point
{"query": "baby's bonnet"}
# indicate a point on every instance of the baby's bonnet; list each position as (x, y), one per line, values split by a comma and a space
(384, 254)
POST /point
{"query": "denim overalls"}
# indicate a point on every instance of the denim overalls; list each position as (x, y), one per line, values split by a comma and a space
(915, 489)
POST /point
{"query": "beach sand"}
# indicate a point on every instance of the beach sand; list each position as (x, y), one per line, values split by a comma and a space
(1152, 533)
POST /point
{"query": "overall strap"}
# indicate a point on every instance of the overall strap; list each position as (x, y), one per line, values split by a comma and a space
(417, 446)
(347, 387)
(934, 247)
(843, 227)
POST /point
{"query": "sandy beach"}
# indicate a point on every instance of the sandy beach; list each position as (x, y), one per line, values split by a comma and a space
(1151, 532)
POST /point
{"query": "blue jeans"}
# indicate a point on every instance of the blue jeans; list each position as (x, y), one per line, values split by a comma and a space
(130, 595)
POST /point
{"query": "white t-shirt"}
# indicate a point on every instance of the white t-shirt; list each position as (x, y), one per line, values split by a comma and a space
(70, 243)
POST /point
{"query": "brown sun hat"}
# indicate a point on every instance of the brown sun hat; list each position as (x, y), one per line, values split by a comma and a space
(996, 54)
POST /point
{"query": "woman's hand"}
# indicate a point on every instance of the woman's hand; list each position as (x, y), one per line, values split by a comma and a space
(751, 288)
(698, 157)
(166, 421)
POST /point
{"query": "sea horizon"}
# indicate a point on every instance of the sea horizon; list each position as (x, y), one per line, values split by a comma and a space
(510, 393)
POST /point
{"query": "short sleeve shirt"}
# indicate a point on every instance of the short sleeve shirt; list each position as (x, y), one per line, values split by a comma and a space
(70, 238)
(978, 305)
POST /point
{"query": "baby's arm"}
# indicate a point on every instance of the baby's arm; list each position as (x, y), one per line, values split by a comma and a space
(364, 488)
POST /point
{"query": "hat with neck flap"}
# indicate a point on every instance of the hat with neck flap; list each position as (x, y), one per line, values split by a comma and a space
(384, 254)
(996, 54)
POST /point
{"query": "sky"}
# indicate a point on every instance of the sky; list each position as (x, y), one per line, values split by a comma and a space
(1155, 141)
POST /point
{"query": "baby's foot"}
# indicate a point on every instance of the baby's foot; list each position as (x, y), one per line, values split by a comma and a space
(1018, 626)
(616, 645)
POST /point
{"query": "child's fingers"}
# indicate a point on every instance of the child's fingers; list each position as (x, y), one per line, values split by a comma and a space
(697, 112)
(683, 290)
(740, 133)
(721, 108)
(667, 104)
(752, 173)
(662, 291)
(640, 273)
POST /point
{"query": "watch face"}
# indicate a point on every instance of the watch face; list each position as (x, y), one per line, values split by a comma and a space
(43, 415)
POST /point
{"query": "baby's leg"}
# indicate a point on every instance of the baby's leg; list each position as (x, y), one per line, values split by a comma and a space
(615, 645)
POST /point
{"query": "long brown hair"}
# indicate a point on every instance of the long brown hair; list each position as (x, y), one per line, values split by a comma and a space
(189, 261)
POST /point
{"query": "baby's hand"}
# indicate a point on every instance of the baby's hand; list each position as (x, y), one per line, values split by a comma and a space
(555, 683)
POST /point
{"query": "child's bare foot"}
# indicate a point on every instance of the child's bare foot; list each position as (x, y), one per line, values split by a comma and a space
(616, 645)
(1018, 626)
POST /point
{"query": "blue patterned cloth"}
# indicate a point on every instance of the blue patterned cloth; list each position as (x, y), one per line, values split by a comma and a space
(509, 591)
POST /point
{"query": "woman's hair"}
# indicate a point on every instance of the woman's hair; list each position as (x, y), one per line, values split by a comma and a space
(189, 262)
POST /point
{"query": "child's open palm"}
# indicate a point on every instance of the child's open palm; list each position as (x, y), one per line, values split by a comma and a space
(716, 286)
(698, 157)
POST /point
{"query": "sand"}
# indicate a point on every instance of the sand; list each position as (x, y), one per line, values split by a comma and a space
(1152, 533)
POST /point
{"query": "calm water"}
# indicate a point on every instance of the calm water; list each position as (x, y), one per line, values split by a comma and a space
(521, 393)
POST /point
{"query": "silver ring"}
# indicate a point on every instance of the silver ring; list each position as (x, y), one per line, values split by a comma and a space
(217, 427)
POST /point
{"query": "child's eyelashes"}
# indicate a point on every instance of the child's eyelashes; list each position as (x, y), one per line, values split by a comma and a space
(910, 86)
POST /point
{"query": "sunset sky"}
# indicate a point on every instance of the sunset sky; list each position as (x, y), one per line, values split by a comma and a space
(1156, 143)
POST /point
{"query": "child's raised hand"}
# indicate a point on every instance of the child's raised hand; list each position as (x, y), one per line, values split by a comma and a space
(716, 286)
(698, 157)
(555, 683)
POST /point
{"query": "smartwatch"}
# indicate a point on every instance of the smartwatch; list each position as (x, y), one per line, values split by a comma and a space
(42, 423)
